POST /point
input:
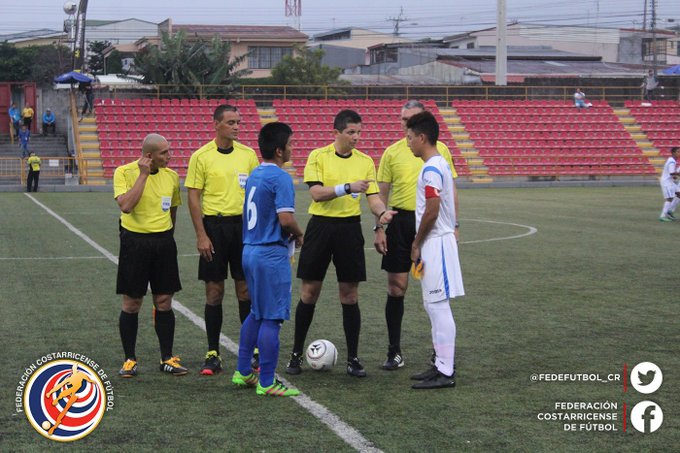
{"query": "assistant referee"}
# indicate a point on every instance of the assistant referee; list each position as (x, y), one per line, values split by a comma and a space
(147, 193)
(216, 181)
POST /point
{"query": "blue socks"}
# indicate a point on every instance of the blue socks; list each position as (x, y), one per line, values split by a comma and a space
(268, 342)
(246, 345)
(265, 334)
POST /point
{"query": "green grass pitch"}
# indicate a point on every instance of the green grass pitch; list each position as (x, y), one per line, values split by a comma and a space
(593, 288)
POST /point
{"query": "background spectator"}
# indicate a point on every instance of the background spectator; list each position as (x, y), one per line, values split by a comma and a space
(580, 100)
(24, 137)
(86, 89)
(33, 172)
(650, 83)
(48, 120)
(27, 115)
(15, 118)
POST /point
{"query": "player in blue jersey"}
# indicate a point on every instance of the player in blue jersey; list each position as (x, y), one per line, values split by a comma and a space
(269, 230)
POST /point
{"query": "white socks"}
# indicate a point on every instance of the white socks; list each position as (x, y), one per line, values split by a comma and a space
(666, 208)
(443, 334)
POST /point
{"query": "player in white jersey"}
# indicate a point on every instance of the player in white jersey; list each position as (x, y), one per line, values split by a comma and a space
(435, 248)
(669, 188)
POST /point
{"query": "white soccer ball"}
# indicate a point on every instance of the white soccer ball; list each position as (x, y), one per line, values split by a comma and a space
(321, 355)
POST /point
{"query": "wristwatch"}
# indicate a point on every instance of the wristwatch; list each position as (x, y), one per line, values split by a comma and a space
(377, 227)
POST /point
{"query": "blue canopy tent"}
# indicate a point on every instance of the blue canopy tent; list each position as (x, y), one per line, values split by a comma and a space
(673, 70)
(73, 77)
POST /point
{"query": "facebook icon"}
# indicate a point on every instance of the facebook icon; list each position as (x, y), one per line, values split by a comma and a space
(646, 416)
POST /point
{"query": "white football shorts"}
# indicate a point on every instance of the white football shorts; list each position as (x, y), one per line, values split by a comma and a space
(442, 278)
(668, 189)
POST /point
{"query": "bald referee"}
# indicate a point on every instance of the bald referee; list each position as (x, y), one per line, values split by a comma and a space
(147, 193)
(337, 176)
(216, 181)
(397, 177)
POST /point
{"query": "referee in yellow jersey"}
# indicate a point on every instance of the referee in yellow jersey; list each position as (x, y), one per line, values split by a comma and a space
(397, 176)
(147, 193)
(337, 176)
(216, 181)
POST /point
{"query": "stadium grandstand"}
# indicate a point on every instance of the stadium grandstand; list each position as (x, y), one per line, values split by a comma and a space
(489, 139)
(550, 139)
(660, 123)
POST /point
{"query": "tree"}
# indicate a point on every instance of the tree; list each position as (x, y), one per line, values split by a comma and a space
(95, 62)
(39, 64)
(183, 67)
(305, 69)
(114, 63)
(13, 67)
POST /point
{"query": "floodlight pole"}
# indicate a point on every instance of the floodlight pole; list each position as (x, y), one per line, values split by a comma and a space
(79, 43)
(501, 44)
(653, 26)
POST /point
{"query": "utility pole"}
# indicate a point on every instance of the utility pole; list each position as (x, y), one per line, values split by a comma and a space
(501, 44)
(397, 20)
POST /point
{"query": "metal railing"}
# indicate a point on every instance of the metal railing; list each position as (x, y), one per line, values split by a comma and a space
(76, 138)
(14, 170)
(264, 95)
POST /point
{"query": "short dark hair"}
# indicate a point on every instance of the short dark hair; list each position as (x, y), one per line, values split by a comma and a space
(425, 123)
(344, 117)
(413, 104)
(273, 136)
(219, 111)
(675, 149)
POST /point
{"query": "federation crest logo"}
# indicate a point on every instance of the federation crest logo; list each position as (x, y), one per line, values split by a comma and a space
(65, 400)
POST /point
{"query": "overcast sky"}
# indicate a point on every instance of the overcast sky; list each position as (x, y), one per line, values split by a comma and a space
(433, 18)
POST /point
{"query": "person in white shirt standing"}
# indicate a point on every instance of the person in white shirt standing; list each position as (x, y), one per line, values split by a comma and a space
(669, 188)
(435, 251)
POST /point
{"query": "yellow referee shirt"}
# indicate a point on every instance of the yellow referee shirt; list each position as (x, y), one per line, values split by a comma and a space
(161, 192)
(400, 168)
(222, 177)
(325, 166)
(34, 163)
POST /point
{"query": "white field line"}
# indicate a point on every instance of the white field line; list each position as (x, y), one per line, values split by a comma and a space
(531, 230)
(348, 434)
(44, 258)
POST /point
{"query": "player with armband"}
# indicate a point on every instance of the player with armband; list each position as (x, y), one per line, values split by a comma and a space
(434, 249)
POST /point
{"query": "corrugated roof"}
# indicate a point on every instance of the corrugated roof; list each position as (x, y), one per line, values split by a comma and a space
(387, 79)
(101, 22)
(549, 68)
(32, 34)
(245, 32)
(513, 52)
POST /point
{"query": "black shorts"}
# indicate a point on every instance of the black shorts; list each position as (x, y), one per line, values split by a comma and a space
(145, 259)
(339, 239)
(226, 235)
(400, 235)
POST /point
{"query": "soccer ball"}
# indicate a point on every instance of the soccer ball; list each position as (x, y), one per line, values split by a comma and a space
(321, 355)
